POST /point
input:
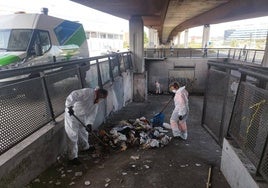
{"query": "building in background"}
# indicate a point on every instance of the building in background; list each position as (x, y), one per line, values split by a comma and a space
(101, 43)
(250, 37)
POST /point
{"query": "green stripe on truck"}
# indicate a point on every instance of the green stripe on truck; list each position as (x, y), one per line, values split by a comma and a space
(78, 38)
(8, 59)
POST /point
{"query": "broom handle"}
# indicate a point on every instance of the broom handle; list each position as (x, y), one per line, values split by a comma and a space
(166, 105)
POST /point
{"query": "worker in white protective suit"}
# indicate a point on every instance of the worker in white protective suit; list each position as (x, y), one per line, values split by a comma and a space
(180, 112)
(82, 104)
(157, 87)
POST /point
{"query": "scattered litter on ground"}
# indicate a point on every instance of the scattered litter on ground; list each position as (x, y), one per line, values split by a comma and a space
(135, 157)
(87, 182)
(37, 180)
(124, 173)
(184, 165)
(63, 175)
(107, 180)
(146, 166)
(197, 164)
(78, 174)
(57, 183)
(72, 183)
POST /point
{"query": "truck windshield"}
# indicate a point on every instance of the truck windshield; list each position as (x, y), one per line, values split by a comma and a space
(15, 39)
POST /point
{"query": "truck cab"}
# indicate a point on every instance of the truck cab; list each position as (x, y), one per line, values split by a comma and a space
(35, 39)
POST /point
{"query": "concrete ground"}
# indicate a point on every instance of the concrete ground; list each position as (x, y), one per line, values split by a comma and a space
(180, 164)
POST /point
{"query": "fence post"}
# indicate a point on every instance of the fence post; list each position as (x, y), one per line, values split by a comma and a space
(234, 54)
(99, 74)
(253, 60)
(47, 97)
(79, 76)
(110, 68)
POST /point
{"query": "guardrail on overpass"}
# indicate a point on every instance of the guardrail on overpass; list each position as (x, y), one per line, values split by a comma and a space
(245, 55)
(38, 98)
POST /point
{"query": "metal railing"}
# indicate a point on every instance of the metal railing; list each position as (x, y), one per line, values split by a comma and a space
(245, 55)
(38, 98)
(236, 106)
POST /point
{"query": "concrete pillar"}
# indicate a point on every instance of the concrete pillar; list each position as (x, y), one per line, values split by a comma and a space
(265, 57)
(206, 31)
(136, 39)
(153, 38)
(186, 33)
(176, 40)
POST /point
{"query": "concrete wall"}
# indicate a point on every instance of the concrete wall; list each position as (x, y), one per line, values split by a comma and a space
(164, 70)
(140, 87)
(237, 168)
(33, 155)
(26, 160)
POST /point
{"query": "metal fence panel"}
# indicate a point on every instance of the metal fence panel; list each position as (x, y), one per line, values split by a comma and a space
(104, 70)
(27, 106)
(233, 83)
(249, 123)
(23, 110)
(92, 76)
(115, 66)
(59, 86)
(214, 97)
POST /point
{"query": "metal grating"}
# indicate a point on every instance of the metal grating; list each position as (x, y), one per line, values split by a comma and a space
(104, 70)
(115, 66)
(214, 97)
(23, 110)
(233, 83)
(123, 65)
(85, 70)
(92, 77)
(128, 62)
(249, 121)
(59, 86)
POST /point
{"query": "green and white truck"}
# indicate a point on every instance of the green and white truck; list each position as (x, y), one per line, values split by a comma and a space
(35, 39)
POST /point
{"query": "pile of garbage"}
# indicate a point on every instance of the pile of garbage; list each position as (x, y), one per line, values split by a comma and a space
(138, 132)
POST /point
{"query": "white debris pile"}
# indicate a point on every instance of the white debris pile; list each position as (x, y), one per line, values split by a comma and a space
(137, 132)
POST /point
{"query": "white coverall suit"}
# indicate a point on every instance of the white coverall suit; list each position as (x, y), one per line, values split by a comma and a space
(179, 127)
(84, 108)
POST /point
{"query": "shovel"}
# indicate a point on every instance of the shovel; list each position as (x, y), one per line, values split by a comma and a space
(88, 128)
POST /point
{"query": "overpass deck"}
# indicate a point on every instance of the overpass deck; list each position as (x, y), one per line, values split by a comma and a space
(179, 164)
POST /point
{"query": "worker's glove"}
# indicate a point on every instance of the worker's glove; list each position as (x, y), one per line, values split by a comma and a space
(89, 128)
(180, 118)
(71, 111)
(173, 94)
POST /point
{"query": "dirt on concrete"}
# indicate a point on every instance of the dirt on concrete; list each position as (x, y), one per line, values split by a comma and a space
(180, 164)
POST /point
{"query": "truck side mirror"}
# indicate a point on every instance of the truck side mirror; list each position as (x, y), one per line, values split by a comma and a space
(38, 50)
